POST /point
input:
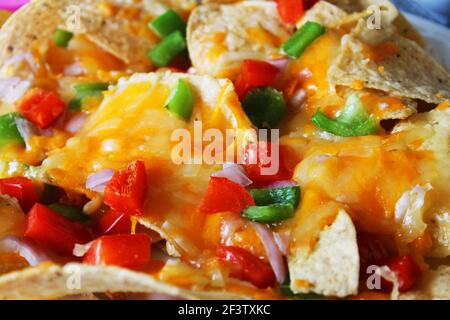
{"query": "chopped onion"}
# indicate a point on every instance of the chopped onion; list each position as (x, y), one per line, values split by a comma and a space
(234, 172)
(26, 129)
(297, 99)
(281, 63)
(12, 89)
(76, 123)
(81, 249)
(26, 248)
(22, 57)
(12, 5)
(274, 254)
(390, 276)
(97, 181)
(73, 70)
(282, 184)
(282, 241)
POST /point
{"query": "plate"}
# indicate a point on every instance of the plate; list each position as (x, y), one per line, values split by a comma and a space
(437, 37)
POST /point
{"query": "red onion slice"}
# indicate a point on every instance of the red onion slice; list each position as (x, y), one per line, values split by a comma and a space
(282, 184)
(274, 254)
(97, 181)
(26, 129)
(12, 89)
(234, 172)
(76, 123)
(281, 63)
(282, 241)
(27, 249)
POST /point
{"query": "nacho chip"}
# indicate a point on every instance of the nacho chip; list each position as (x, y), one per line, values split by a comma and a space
(323, 254)
(221, 36)
(51, 281)
(387, 67)
(435, 285)
(324, 13)
(132, 123)
(432, 131)
(113, 34)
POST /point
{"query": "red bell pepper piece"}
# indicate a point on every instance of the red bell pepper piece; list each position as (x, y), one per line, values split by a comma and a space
(22, 189)
(224, 195)
(246, 266)
(290, 10)
(259, 157)
(255, 73)
(124, 250)
(407, 271)
(41, 107)
(113, 222)
(53, 230)
(125, 192)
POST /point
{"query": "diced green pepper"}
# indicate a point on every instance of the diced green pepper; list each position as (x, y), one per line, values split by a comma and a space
(302, 38)
(70, 212)
(8, 129)
(269, 214)
(352, 122)
(84, 90)
(182, 101)
(267, 196)
(265, 106)
(168, 22)
(286, 291)
(167, 49)
(62, 38)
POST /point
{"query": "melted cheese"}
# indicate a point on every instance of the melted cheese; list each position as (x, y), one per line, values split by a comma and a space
(134, 120)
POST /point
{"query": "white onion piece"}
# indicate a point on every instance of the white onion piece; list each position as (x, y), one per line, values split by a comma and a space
(26, 129)
(19, 58)
(282, 241)
(273, 252)
(12, 89)
(97, 181)
(234, 172)
(390, 276)
(281, 63)
(81, 249)
(76, 123)
(73, 70)
(26, 248)
(282, 184)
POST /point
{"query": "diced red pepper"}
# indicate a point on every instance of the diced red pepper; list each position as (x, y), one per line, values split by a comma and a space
(41, 107)
(124, 250)
(255, 73)
(407, 271)
(125, 192)
(113, 222)
(290, 10)
(246, 266)
(224, 195)
(22, 189)
(53, 230)
(259, 157)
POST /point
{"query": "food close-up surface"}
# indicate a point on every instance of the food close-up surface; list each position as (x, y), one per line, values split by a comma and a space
(222, 150)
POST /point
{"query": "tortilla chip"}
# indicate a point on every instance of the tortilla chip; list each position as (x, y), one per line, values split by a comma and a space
(435, 285)
(43, 17)
(221, 36)
(390, 15)
(132, 123)
(433, 128)
(323, 254)
(51, 281)
(393, 74)
(324, 13)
